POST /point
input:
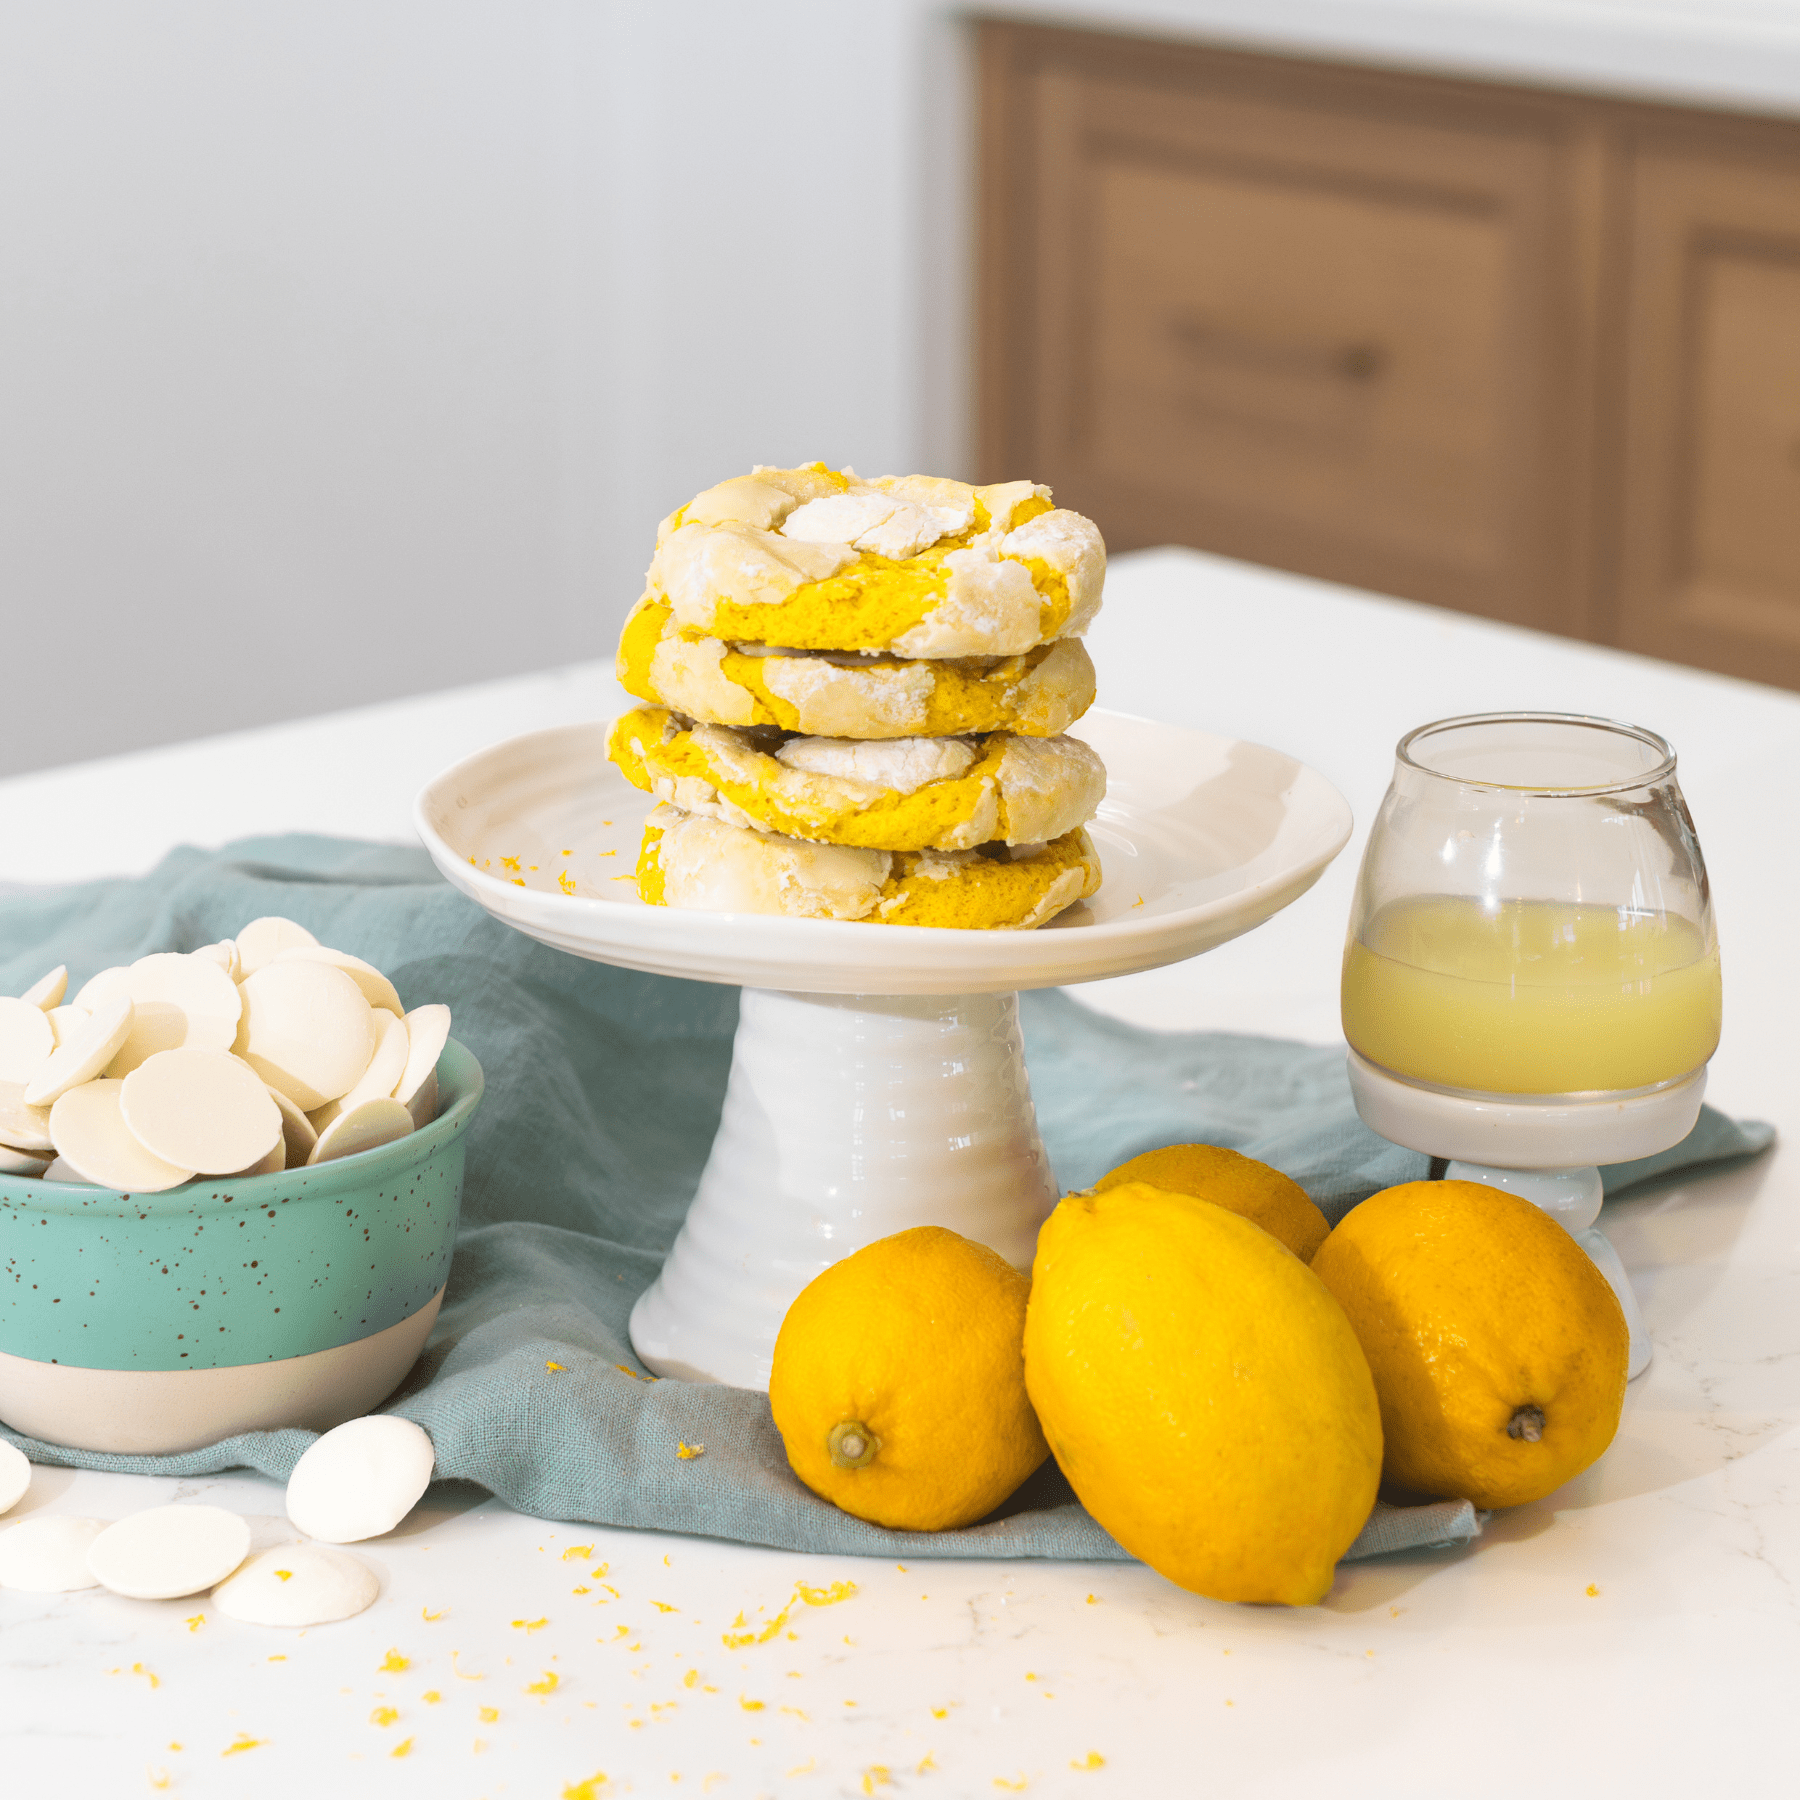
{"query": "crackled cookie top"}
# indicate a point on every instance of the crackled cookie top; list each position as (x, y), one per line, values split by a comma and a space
(922, 793)
(692, 861)
(842, 694)
(913, 565)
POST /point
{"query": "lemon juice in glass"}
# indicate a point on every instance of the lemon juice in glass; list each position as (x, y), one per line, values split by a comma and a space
(1531, 975)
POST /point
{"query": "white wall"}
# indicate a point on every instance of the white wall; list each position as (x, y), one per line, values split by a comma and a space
(354, 347)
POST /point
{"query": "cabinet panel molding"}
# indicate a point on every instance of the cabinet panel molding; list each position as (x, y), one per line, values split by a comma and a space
(1710, 522)
(1525, 353)
(1311, 318)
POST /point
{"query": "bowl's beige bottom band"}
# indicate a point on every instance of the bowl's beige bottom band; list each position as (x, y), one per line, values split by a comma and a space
(159, 1412)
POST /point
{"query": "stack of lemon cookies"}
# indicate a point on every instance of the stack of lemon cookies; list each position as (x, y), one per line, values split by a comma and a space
(857, 693)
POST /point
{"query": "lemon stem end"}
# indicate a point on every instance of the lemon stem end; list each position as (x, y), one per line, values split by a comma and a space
(1527, 1423)
(851, 1444)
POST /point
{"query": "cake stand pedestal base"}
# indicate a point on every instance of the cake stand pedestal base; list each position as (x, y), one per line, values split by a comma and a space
(847, 1117)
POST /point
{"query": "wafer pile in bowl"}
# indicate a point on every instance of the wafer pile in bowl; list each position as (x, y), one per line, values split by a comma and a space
(857, 694)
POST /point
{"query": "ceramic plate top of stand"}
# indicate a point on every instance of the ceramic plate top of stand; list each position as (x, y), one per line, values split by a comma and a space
(1201, 838)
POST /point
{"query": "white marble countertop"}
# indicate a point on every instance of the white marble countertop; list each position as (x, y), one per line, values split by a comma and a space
(1741, 55)
(1639, 1631)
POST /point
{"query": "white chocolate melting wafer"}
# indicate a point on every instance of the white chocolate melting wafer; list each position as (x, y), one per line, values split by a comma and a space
(272, 1164)
(67, 1174)
(372, 1124)
(113, 980)
(376, 987)
(424, 1103)
(26, 1040)
(179, 1002)
(262, 940)
(91, 1135)
(298, 1584)
(167, 1552)
(297, 1131)
(47, 991)
(377, 1081)
(23, 1127)
(65, 1021)
(306, 1030)
(48, 1556)
(90, 1046)
(15, 1476)
(203, 1110)
(360, 1479)
(427, 1030)
(21, 1163)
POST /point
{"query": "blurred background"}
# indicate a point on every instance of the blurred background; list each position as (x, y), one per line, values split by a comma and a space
(353, 349)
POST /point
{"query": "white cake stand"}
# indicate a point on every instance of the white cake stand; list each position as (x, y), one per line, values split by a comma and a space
(878, 1078)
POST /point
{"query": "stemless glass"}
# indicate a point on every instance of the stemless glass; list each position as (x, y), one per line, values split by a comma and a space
(1531, 948)
(1531, 976)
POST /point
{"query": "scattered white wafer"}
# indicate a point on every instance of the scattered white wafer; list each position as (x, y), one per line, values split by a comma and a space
(306, 1029)
(47, 991)
(298, 1584)
(360, 1479)
(372, 1124)
(297, 1130)
(26, 1039)
(167, 1552)
(15, 1476)
(427, 1031)
(90, 1134)
(178, 1002)
(262, 940)
(66, 1173)
(22, 1127)
(21, 1162)
(378, 1080)
(48, 1556)
(203, 1110)
(85, 1053)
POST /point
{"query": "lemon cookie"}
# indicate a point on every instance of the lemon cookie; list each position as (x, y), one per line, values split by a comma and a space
(815, 559)
(918, 793)
(702, 863)
(840, 694)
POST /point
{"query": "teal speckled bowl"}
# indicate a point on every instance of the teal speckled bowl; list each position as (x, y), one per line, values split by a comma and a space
(153, 1323)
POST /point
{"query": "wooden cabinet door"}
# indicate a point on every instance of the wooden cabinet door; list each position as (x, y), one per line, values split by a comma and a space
(1709, 541)
(1322, 319)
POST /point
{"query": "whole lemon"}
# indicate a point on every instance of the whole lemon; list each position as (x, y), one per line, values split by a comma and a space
(899, 1382)
(1203, 1393)
(1498, 1349)
(1240, 1184)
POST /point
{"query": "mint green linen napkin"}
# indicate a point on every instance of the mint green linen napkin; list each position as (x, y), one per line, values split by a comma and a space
(603, 1092)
